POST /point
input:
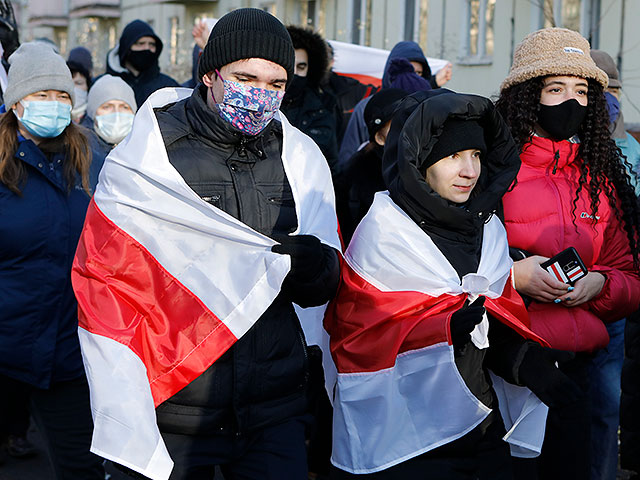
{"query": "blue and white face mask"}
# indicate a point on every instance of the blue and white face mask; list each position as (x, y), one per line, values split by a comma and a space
(248, 108)
(45, 119)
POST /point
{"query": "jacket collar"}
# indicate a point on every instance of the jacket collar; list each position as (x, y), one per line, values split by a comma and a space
(546, 153)
(29, 153)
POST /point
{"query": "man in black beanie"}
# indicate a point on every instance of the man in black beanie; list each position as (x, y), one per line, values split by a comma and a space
(246, 413)
(135, 60)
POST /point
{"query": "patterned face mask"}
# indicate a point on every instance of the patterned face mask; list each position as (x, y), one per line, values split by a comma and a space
(248, 108)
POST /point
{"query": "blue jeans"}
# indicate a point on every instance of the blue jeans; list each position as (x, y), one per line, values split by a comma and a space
(605, 404)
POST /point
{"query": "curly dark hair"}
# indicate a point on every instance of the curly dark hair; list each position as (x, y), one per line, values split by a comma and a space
(603, 165)
(317, 50)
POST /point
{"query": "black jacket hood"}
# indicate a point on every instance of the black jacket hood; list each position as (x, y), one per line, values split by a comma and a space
(133, 32)
(317, 51)
(415, 129)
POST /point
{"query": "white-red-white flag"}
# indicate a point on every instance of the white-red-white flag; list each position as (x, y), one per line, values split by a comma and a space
(166, 282)
(398, 392)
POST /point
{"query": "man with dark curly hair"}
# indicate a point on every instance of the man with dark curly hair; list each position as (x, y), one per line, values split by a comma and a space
(306, 105)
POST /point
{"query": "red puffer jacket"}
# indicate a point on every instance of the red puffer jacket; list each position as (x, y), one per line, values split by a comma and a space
(539, 219)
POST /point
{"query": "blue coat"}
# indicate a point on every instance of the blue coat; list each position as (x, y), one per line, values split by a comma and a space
(39, 231)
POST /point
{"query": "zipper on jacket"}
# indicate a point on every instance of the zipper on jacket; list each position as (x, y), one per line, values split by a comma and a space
(242, 147)
(556, 157)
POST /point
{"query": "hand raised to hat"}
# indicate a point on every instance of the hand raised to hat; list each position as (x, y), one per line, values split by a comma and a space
(8, 28)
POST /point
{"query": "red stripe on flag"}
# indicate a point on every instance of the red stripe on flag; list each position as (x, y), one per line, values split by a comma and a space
(125, 294)
(365, 79)
(369, 327)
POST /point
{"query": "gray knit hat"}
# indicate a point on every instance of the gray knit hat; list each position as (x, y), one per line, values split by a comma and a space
(605, 62)
(553, 51)
(106, 88)
(33, 67)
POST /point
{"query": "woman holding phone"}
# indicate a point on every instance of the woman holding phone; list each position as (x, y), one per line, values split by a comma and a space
(572, 191)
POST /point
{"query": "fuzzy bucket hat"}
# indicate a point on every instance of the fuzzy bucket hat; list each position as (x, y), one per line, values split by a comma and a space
(553, 51)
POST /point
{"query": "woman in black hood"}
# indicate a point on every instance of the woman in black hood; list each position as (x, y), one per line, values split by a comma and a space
(426, 307)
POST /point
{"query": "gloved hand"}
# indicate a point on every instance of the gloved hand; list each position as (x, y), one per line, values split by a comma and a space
(307, 256)
(8, 28)
(463, 321)
(539, 373)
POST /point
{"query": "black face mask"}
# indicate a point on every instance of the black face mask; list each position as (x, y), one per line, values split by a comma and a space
(297, 86)
(562, 121)
(141, 59)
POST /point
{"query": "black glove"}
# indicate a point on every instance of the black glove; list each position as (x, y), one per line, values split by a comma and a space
(463, 321)
(307, 256)
(8, 29)
(539, 373)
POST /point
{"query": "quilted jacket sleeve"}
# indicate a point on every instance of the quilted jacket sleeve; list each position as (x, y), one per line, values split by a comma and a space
(620, 295)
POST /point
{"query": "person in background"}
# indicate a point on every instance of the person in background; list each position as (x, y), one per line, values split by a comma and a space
(306, 105)
(356, 132)
(9, 39)
(346, 90)
(135, 60)
(363, 178)
(572, 190)
(111, 106)
(81, 65)
(606, 366)
(47, 175)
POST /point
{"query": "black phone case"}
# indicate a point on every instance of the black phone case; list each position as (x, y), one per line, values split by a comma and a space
(566, 266)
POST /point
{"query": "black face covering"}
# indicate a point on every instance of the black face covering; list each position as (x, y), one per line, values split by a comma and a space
(141, 59)
(562, 121)
(297, 86)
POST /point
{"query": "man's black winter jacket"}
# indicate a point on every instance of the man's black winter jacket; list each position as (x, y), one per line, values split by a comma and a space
(262, 379)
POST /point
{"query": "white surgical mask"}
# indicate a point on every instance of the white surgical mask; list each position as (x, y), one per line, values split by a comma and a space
(80, 106)
(113, 127)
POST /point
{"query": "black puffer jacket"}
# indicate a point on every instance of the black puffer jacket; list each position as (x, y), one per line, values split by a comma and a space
(261, 379)
(456, 229)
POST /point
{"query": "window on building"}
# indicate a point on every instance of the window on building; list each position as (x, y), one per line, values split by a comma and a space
(269, 8)
(478, 33)
(361, 22)
(409, 19)
(174, 27)
(308, 13)
(422, 23)
(580, 15)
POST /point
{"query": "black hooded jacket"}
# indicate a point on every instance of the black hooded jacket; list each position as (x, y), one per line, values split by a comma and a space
(456, 229)
(149, 80)
(306, 105)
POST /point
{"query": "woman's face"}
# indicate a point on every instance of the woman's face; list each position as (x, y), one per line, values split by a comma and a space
(44, 96)
(79, 81)
(113, 106)
(560, 88)
(454, 177)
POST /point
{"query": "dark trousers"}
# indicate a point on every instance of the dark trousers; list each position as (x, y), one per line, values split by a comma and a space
(63, 416)
(566, 451)
(14, 407)
(274, 453)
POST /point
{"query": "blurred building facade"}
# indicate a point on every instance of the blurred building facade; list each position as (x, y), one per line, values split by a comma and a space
(477, 36)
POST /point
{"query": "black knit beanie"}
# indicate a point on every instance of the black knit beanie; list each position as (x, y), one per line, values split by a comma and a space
(247, 33)
(457, 135)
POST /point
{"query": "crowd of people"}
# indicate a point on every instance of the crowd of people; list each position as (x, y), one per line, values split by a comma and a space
(281, 272)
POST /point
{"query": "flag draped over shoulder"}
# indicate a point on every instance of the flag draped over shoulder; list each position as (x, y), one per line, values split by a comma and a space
(398, 392)
(166, 282)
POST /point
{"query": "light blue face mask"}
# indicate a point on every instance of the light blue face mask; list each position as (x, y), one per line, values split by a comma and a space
(45, 119)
